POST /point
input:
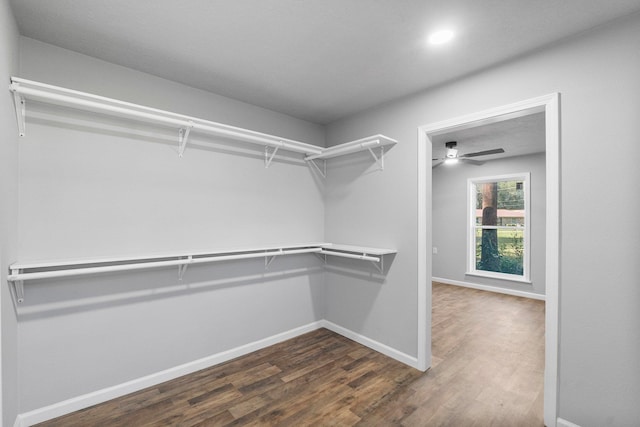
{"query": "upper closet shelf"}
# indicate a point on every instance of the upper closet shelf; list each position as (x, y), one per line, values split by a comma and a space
(26, 89)
(367, 143)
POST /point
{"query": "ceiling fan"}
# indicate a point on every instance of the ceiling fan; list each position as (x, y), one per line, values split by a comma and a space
(452, 155)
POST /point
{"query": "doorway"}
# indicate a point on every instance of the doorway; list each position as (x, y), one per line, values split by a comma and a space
(549, 104)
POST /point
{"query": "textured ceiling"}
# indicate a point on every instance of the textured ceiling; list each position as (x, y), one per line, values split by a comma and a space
(318, 60)
(518, 137)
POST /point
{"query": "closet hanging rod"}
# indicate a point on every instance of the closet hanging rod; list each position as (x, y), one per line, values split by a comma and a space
(184, 260)
(254, 255)
(353, 256)
(353, 146)
(343, 150)
(94, 270)
(358, 249)
(71, 98)
(148, 257)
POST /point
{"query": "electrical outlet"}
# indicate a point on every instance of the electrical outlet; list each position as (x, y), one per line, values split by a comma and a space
(435, 250)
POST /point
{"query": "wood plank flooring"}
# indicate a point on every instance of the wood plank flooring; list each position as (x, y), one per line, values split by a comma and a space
(487, 370)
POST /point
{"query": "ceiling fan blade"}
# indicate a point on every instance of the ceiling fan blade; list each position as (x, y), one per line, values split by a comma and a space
(483, 153)
(473, 162)
(436, 165)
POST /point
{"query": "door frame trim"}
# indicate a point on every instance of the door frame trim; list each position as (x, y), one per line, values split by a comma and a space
(550, 105)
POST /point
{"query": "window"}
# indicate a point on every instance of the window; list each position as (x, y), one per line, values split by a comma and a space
(499, 227)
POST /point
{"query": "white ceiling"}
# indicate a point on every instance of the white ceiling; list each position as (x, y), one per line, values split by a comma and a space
(318, 60)
(517, 136)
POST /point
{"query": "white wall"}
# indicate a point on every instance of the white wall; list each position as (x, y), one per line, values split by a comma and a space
(92, 186)
(597, 76)
(449, 196)
(8, 214)
(370, 207)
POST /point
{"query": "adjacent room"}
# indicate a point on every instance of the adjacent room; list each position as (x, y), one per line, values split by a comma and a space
(488, 236)
(504, 163)
(319, 213)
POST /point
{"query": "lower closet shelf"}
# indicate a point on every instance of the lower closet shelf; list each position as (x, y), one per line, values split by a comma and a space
(21, 272)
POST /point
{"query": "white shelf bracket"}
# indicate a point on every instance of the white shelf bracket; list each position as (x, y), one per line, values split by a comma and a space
(321, 256)
(183, 267)
(378, 265)
(379, 160)
(322, 171)
(269, 157)
(183, 136)
(18, 287)
(20, 104)
(269, 259)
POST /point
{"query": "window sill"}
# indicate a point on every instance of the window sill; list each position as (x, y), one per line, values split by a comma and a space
(508, 278)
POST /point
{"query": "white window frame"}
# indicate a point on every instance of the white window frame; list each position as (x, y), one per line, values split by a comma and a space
(525, 177)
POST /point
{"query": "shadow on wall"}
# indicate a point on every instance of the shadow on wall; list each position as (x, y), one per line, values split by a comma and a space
(354, 286)
(352, 166)
(86, 122)
(56, 297)
(370, 271)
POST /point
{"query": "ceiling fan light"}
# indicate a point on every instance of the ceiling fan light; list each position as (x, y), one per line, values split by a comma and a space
(452, 153)
(451, 161)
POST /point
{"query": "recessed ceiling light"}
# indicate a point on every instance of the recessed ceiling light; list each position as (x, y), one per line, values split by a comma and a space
(441, 37)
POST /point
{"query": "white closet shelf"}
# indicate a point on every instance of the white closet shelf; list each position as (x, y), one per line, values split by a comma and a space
(39, 270)
(365, 144)
(368, 143)
(27, 89)
(24, 89)
(357, 249)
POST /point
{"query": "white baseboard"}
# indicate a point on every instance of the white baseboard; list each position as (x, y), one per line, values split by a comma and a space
(489, 288)
(372, 344)
(565, 423)
(80, 402)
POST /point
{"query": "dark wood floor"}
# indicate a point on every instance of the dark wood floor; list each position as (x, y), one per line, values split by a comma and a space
(488, 362)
